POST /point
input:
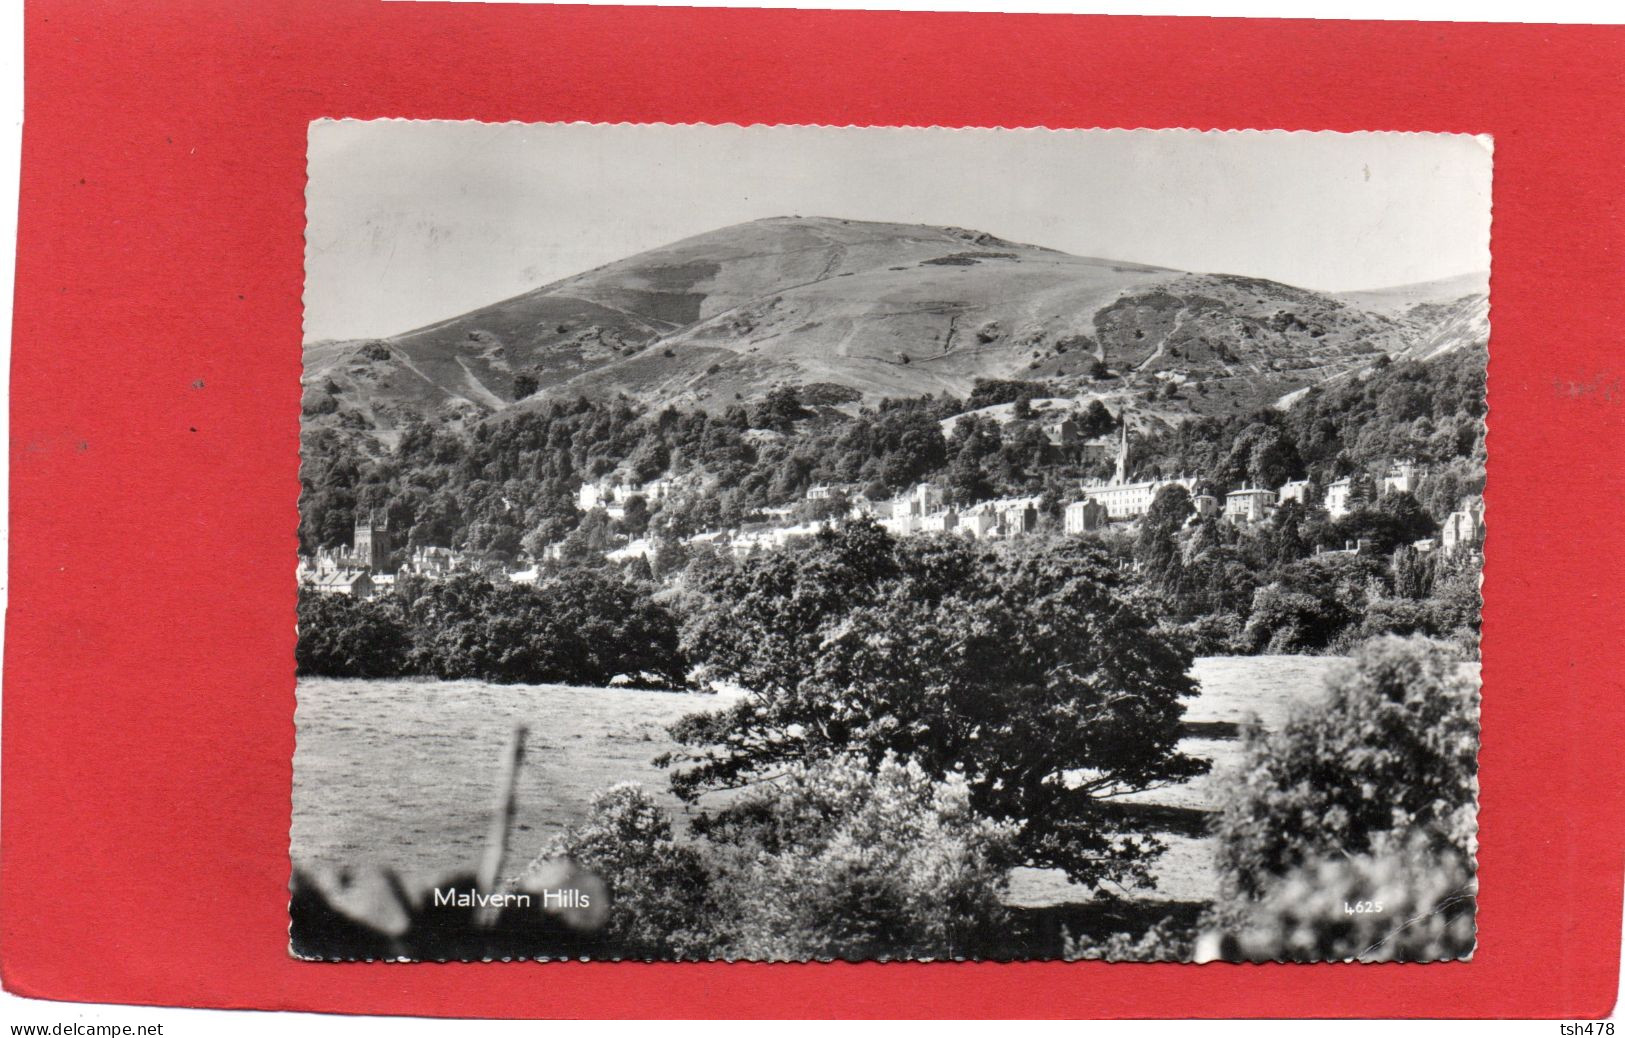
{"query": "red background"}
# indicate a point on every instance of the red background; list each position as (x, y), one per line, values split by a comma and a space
(148, 710)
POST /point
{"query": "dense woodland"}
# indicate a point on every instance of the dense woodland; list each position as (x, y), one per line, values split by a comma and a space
(506, 487)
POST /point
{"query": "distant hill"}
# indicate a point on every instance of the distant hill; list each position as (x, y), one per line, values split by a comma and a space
(863, 311)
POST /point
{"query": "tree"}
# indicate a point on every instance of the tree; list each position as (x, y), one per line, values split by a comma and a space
(1394, 520)
(779, 410)
(346, 637)
(586, 627)
(1311, 603)
(1392, 749)
(635, 516)
(1097, 421)
(835, 859)
(1156, 550)
(524, 385)
(1014, 666)
(967, 483)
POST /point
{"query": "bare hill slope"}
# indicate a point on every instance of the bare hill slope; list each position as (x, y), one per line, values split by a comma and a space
(870, 310)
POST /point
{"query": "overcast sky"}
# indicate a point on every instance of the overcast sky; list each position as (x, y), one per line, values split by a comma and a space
(412, 222)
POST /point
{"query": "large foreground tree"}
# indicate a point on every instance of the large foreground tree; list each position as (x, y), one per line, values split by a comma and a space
(1022, 668)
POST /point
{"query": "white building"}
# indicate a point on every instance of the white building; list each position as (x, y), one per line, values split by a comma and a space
(1402, 477)
(353, 582)
(1299, 490)
(1250, 505)
(1338, 496)
(921, 501)
(1463, 529)
(1125, 500)
(979, 524)
(640, 548)
(824, 491)
(1084, 516)
(1132, 500)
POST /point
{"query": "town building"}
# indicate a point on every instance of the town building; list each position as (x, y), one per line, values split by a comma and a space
(901, 525)
(1062, 430)
(1349, 493)
(353, 582)
(1084, 516)
(612, 497)
(371, 542)
(1125, 500)
(1402, 477)
(1206, 505)
(921, 501)
(1463, 529)
(1299, 490)
(979, 524)
(1250, 505)
(432, 562)
(824, 491)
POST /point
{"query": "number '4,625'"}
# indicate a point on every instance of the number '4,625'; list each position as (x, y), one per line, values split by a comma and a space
(1362, 907)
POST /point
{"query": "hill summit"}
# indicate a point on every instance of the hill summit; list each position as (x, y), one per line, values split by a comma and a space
(858, 311)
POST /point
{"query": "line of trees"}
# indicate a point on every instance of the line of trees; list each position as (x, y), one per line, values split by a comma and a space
(587, 628)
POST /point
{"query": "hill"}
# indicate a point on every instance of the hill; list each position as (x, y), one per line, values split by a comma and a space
(871, 310)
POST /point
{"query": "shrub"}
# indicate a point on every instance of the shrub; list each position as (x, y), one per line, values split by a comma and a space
(660, 900)
(1165, 941)
(1311, 603)
(1214, 634)
(834, 860)
(839, 860)
(1392, 751)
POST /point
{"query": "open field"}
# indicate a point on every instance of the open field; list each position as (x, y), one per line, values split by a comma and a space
(401, 773)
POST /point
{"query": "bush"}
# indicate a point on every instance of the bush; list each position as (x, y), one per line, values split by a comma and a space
(835, 860)
(839, 860)
(1215, 634)
(1165, 941)
(1026, 668)
(1311, 603)
(1390, 753)
(660, 902)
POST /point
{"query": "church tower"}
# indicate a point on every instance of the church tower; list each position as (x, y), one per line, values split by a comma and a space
(372, 542)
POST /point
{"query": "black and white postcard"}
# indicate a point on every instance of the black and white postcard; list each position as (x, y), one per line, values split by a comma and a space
(810, 543)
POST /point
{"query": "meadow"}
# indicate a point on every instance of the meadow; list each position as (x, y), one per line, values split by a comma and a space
(401, 773)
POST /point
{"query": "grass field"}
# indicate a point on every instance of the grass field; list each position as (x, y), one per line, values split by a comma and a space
(401, 773)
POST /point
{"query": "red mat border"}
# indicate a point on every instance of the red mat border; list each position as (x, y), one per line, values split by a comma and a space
(148, 687)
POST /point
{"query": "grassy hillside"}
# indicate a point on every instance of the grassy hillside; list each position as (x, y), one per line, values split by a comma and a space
(885, 310)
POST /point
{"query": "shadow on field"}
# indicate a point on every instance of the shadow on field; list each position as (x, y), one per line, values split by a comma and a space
(1161, 818)
(1211, 729)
